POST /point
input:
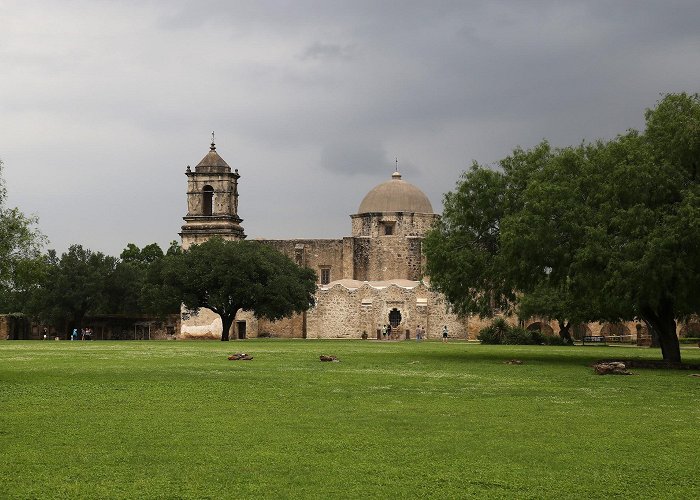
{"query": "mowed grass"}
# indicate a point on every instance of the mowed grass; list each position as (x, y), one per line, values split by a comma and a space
(392, 419)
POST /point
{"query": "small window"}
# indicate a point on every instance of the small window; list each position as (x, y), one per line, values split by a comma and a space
(325, 275)
(207, 199)
(388, 228)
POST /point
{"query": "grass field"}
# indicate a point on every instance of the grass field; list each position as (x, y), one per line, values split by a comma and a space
(403, 419)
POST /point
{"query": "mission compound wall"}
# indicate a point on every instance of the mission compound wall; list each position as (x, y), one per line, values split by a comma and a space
(345, 312)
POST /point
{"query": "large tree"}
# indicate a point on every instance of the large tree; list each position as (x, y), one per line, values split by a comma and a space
(136, 286)
(464, 246)
(602, 231)
(227, 276)
(653, 219)
(20, 248)
(73, 285)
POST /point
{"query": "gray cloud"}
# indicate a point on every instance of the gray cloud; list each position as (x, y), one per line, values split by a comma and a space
(105, 103)
(327, 51)
(352, 157)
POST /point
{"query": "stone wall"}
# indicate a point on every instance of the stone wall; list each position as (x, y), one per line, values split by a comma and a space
(387, 257)
(345, 313)
(14, 327)
(404, 224)
(314, 254)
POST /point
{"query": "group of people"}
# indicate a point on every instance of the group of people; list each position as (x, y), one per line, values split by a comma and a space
(84, 334)
(420, 333)
(388, 332)
(391, 333)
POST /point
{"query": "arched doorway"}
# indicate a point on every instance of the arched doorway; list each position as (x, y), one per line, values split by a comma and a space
(541, 327)
(615, 330)
(581, 330)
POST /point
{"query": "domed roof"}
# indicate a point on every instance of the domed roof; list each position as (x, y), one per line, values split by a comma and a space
(212, 159)
(396, 195)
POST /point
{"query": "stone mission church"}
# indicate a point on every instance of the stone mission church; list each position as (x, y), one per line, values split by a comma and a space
(366, 280)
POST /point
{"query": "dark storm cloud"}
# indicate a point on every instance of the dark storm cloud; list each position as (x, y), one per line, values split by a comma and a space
(104, 103)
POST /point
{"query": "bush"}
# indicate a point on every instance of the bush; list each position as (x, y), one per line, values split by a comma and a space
(554, 340)
(500, 332)
(489, 335)
(494, 333)
(518, 336)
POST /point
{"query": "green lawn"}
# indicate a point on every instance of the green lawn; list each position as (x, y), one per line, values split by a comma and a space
(404, 419)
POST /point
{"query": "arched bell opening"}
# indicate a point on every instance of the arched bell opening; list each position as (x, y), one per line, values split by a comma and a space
(207, 200)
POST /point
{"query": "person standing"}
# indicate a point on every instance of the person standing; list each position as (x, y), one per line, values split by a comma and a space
(445, 333)
(383, 332)
(389, 331)
(418, 333)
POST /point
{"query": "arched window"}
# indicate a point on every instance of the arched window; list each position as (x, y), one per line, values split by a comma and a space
(207, 198)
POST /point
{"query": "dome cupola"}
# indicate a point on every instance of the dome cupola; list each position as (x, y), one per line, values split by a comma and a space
(395, 195)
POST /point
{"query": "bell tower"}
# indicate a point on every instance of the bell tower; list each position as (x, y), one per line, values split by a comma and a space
(212, 201)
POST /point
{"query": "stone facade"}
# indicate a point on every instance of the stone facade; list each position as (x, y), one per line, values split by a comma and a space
(350, 308)
(362, 278)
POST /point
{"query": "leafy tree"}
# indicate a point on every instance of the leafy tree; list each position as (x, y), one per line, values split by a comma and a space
(653, 220)
(138, 286)
(542, 235)
(602, 231)
(463, 248)
(20, 249)
(72, 286)
(226, 276)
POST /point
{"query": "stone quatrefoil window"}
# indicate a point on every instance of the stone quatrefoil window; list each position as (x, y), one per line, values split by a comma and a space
(395, 318)
(207, 200)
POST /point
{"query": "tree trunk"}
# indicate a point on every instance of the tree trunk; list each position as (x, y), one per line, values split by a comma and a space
(226, 322)
(564, 332)
(663, 324)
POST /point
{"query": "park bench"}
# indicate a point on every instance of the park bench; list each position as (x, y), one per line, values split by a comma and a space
(594, 339)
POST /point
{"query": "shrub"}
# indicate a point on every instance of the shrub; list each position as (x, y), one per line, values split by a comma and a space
(553, 340)
(494, 333)
(500, 332)
(489, 335)
(518, 336)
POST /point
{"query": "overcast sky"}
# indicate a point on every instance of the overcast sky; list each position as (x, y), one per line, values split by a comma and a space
(103, 104)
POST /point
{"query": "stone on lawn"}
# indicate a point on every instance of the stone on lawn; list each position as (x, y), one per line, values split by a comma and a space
(611, 368)
(240, 356)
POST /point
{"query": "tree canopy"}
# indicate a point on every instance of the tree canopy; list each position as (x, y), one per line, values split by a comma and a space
(227, 276)
(601, 231)
(20, 248)
(73, 285)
